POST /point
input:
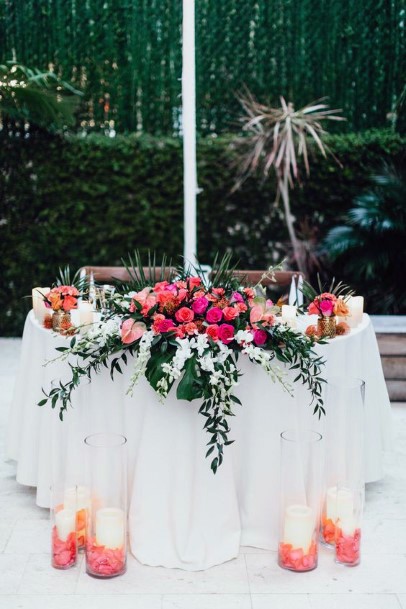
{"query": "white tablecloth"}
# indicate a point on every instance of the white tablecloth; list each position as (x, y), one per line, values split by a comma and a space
(180, 514)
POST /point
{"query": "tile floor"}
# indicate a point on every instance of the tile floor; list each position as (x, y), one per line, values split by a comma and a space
(252, 581)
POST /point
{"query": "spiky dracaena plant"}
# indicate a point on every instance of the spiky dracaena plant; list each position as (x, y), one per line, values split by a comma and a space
(38, 97)
(276, 139)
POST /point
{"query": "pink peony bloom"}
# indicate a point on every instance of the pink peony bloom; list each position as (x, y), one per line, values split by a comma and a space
(230, 313)
(214, 315)
(200, 305)
(226, 333)
(327, 307)
(260, 337)
(184, 315)
(132, 330)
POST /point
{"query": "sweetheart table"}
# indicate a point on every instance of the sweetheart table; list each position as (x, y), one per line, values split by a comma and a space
(180, 514)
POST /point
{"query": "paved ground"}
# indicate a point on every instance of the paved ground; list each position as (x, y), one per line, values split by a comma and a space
(252, 581)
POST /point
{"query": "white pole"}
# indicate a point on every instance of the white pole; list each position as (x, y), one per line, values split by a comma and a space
(189, 131)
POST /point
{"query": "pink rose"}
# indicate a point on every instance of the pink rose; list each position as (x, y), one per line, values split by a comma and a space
(160, 286)
(256, 313)
(236, 297)
(313, 309)
(327, 307)
(214, 315)
(230, 313)
(132, 330)
(260, 337)
(226, 333)
(213, 331)
(184, 315)
(200, 305)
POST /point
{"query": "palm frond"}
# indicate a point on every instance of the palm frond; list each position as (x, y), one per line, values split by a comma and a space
(38, 97)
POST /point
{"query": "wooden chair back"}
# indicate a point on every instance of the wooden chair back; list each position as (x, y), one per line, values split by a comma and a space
(251, 278)
(108, 274)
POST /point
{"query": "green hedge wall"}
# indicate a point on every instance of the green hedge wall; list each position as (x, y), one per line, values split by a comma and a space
(91, 200)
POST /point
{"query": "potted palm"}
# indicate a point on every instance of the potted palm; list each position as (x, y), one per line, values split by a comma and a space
(276, 138)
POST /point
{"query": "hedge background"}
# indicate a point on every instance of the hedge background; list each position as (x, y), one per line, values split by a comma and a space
(126, 56)
(91, 200)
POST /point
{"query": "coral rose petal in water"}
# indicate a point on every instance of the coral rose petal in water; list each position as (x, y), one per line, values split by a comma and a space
(63, 552)
(294, 558)
(104, 561)
(348, 547)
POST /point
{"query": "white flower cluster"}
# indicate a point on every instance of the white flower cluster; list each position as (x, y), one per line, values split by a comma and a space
(141, 360)
(266, 360)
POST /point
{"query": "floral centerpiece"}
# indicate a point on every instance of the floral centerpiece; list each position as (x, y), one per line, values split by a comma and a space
(61, 299)
(183, 332)
(328, 306)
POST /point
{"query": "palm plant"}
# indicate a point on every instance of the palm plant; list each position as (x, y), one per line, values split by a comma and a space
(277, 139)
(369, 247)
(38, 97)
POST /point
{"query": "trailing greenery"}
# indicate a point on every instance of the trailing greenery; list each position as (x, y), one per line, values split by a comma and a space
(81, 201)
(187, 334)
(127, 55)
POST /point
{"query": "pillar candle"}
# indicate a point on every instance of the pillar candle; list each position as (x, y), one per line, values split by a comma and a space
(86, 313)
(299, 527)
(340, 509)
(38, 305)
(65, 521)
(110, 527)
(356, 307)
(289, 315)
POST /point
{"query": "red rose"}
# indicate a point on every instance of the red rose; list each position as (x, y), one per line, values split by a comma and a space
(213, 331)
(226, 333)
(184, 315)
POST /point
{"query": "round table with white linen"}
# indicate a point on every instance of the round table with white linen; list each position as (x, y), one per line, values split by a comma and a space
(180, 513)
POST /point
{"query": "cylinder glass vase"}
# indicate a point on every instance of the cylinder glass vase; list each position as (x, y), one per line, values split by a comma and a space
(106, 542)
(349, 509)
(301, 461)
(63, 528)
(344, 460)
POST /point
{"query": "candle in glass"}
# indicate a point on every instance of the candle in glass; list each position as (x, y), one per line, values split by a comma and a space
(110, 528)
(78, 498)
(63, 523)
(299, 527)
(356, 308)
(289, 315)
(348, 526)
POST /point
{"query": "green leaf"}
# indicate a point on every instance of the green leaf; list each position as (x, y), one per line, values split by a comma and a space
(188, 389)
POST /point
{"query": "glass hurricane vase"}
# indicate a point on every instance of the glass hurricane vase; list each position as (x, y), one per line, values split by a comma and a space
(106, 541)
(301, 460)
